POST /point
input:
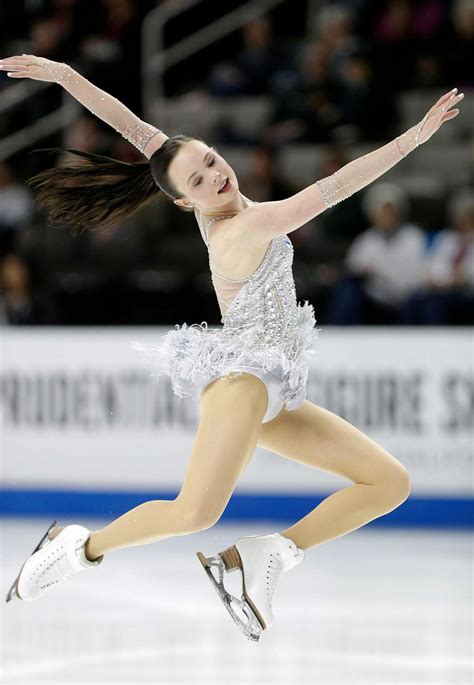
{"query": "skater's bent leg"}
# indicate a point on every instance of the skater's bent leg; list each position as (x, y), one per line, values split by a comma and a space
(316, 437)
(232, 410)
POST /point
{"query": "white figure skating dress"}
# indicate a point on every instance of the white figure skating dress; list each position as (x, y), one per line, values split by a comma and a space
(265, 332)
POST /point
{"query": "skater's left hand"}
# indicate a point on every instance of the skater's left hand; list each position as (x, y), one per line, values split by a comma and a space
(439, 114)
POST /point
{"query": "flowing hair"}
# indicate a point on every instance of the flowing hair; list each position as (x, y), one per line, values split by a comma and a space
(95, 191)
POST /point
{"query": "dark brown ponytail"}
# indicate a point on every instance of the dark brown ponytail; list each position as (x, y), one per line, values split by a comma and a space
(94, 191)
(97, 190)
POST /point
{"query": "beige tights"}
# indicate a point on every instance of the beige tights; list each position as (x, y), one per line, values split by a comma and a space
(230, 428)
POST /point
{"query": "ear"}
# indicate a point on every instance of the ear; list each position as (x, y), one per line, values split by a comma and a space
(183, 203)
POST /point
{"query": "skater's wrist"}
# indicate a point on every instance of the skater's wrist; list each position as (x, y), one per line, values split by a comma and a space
(60, 72)
(408, 141)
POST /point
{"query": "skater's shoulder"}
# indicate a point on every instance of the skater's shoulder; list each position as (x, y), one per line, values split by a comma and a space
(232, 253)
(219, 229)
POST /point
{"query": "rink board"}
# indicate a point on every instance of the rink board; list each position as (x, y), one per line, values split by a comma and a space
(86, 429)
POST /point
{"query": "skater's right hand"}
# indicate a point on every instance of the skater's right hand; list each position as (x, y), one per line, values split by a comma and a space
(31, 66)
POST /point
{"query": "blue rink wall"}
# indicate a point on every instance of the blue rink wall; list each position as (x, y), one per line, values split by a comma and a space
(86, 431)
(424, 512)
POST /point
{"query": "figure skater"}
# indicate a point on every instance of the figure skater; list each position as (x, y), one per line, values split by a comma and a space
(250, 375)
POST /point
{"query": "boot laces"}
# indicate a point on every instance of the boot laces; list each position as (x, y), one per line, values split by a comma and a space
(275, 566)
(55, 564)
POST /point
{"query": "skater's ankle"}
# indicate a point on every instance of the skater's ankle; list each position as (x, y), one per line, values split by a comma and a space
(91, 553)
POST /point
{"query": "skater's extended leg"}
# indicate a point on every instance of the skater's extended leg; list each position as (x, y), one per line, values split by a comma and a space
(316, 437)
(231, 416)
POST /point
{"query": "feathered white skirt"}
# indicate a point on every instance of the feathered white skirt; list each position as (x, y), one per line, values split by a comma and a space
(191, 355)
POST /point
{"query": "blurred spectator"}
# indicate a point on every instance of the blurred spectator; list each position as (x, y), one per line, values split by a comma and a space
(335, 32)
(57, 27)
(313, 66)
(334, 87)
(263, 181)
(452, 256)
(45, 38)
(86, 133)
(111, 50)
(427, 17)
(259, 60)
(261, 55)
(359, 95)
(310, 109)
(361, 101)
(407, 36)
(16, 208)
(385, 262)
(448, 293)
(20, 303)
(396, 46)
(53, 28)
(304, 108)
(457, 49)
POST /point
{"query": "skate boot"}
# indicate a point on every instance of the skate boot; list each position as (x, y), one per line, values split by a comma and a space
(260, 559)
(58, 556)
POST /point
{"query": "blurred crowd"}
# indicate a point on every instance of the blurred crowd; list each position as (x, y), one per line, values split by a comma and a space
(365, 261)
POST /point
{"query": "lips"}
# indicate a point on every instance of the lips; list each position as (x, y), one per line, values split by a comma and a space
(223, 185)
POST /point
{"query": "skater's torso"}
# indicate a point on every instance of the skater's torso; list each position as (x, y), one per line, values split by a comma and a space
(254, 287)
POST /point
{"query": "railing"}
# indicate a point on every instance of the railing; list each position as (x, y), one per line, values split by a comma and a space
(156, 60)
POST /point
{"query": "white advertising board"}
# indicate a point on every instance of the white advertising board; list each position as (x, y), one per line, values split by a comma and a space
(79, 409)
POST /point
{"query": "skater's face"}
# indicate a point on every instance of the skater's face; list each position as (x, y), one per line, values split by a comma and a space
(198, 172)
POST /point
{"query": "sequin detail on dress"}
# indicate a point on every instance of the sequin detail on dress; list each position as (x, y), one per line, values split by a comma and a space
(264, 328)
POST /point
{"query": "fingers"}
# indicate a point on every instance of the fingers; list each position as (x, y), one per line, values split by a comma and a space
(15, 70)
(445, 103)
(452, 100)
(16, 66)
(450, 115)
(446, 96)
(442, 101)
(11, 61)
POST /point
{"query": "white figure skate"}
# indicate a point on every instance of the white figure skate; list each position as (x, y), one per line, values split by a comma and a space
(57, 556)
(260, 559)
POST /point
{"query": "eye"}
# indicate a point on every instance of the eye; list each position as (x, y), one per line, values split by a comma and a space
(211, 162)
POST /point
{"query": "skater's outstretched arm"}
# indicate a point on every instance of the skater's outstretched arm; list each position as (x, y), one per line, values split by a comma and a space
(143, 136)
(263, 221)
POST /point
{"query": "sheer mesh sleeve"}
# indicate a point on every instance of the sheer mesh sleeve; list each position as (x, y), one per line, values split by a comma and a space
(362, 171)
(103, 105)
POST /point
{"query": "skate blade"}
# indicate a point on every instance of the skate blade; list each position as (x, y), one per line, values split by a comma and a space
(12, 592)
(253, 628)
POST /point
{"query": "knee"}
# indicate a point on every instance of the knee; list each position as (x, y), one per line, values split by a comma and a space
(194, 518)
(397, 485)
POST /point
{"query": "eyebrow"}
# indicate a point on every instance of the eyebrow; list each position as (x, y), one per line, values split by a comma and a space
(204, 160)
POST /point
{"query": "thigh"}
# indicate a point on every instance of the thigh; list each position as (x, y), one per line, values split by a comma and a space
(319, 438)
(231, 412)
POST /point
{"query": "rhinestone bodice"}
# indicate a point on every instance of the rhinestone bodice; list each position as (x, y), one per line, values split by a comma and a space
(265, 301)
